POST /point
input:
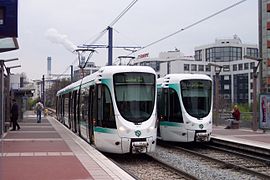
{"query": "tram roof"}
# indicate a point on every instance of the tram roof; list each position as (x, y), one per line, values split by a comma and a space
(172, 78)
(106, 71)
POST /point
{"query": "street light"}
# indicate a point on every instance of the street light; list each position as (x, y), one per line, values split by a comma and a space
(216, 89)
(254, 107)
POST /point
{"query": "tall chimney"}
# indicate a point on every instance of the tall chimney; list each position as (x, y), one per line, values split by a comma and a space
(49, 66)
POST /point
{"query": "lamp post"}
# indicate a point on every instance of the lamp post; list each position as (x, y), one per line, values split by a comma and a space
(216, 90)
(255, 102)
(1, 97)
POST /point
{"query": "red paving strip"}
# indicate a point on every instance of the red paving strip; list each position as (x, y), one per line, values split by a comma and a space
(31, 135)
(42, 168)
(34, 146)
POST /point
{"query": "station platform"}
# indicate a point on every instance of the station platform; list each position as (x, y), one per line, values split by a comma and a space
(49, 151)
(243, 136)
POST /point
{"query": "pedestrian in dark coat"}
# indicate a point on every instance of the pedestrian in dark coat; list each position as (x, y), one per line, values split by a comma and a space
(14, 115)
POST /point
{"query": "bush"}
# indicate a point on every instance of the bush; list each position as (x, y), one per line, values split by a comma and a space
(32, 102)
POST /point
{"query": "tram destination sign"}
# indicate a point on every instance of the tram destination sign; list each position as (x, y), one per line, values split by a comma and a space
(134, 78)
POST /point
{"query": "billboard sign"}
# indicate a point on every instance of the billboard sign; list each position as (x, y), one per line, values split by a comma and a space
(264, 109)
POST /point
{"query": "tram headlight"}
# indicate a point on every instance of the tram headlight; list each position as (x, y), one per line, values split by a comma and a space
(121, 128)
(124, 130)
(150, 129)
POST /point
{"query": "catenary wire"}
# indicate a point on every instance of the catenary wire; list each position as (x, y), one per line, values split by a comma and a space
(189, 26)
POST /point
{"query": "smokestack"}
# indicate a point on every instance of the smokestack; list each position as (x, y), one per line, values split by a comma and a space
(49, 66)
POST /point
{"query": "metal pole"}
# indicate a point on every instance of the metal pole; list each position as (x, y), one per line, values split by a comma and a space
(8, 95)
(255, 102)
(1, 97)
(1, 112)
(71, 73)
(254, 120)
(43, 90)
(217, 98)
(110, 45)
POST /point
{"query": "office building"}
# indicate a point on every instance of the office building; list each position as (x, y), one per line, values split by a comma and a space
(236, 75)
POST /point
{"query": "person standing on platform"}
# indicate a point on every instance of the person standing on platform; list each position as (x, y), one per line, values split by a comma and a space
(39, 107)
(14, 115)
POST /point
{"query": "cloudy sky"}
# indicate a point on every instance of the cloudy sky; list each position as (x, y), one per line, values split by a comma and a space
(54, 27)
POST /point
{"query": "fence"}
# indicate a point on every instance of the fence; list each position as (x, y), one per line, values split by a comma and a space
(245, 119)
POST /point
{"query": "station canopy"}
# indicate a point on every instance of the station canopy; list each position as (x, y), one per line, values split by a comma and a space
(8, 44)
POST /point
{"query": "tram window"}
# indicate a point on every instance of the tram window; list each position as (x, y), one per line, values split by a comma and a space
(175, 113)
(71, 109)
(62, 107)
(196, 95)
(93, 105)
(66, 106)
(105, 108)
(84, 105)
(100, 105)
(75, 111)
(161, 105)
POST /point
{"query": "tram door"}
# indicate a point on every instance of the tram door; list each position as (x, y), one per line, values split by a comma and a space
(73, 112)
(159, 109)
(83, 112)
(78, 111)
(92, 108)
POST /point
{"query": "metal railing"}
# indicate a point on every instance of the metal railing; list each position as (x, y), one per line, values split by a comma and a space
(245, 118)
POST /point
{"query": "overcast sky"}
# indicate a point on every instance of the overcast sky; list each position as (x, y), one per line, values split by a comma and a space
(78, 22)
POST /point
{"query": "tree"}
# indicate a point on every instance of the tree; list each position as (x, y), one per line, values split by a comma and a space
(51, 92)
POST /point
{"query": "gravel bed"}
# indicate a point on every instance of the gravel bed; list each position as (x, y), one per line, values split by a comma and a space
(197, 166)
(143, 167)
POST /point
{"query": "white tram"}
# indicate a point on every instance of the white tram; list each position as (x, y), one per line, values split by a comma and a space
(184, 107)
(114, 109)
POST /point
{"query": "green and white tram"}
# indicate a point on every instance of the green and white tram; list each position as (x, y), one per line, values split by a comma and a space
(185, 107)
(114, 109)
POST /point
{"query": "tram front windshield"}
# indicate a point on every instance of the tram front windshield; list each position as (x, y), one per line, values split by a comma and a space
(196, 96)
(135, 95)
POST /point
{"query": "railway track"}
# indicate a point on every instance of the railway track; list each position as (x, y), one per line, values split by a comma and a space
(145, 167)
(250, 164)
(220, 160)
